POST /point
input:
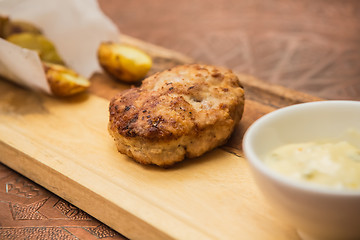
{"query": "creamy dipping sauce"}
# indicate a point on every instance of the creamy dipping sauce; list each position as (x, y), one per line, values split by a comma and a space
(332, 164)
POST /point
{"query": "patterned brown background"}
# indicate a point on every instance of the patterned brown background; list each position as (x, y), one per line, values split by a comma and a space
(311, 46)
(28, 211)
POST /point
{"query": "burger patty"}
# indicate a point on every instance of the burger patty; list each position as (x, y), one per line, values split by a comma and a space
(181, 112)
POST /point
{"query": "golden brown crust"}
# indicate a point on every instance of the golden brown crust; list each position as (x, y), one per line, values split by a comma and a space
(182, 112)
(150, 115)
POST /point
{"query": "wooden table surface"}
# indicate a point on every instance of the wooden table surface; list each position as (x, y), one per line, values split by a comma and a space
(308, 46)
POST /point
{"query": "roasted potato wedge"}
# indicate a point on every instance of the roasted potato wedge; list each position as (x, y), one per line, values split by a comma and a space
(124, 62)
(9, 27)
(41, 44)
(4, 21)
(64, 81)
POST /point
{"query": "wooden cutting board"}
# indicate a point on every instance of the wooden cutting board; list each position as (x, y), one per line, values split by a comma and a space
(63, 145)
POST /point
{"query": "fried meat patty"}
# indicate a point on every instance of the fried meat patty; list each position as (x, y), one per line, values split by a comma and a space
(181, 112)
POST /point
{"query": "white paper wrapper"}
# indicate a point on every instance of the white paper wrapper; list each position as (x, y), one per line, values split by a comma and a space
(76, 27)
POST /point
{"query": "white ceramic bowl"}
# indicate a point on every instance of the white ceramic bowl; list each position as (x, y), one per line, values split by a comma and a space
(317, 212)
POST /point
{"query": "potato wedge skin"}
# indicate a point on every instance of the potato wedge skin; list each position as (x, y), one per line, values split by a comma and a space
(4, 21)
(41, 44)
(124, 62)
(20, 27)
(63, 81)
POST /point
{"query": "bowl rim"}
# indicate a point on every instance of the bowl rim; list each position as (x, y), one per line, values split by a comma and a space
(257, 163)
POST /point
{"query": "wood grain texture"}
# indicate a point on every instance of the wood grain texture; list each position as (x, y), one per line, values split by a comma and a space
(63, 145)
(310, 46)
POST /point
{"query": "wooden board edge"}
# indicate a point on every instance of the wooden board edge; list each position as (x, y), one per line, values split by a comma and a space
(275, 95)
(121, 220)
(265, 92)
(155, 50)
